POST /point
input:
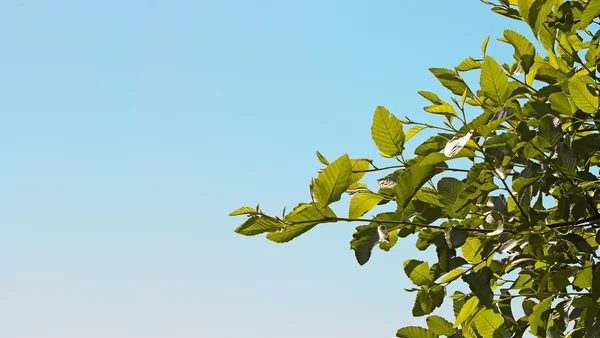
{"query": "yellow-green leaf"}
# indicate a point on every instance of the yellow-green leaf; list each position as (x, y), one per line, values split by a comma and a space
(493, 81)
(362, 203)
(467, 310)
(489, 323)
(582, 97)
(333, 181)
(387, 132)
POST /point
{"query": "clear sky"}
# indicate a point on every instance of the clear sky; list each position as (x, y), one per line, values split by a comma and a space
(130, 129)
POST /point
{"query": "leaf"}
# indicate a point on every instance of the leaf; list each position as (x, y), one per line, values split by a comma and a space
(550, 129)
(362, 202)
(415, 332)
(304, 212)
(423, 304)
(582, 97)
(358, 166)
(432, 97)
(456, 144)
(467, 310)
(536, 317)
(489, 324)
(333, 181)
(259, 224)
(411, 180)
(468, 64)
(524, 50)
(418, 272)
(493, 81)
(591, 11)
(440, 326)
(484, 45)
(412, 132)
(471, 250)
(322, 158)
(452, 275)
(479, 283)
(451, 80)
(387, 132)
(560, 102)
(441, 109)
(366, 236)
(244, 211)
(584, 277)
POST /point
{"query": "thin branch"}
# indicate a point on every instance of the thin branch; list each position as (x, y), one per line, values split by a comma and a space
(379, 221)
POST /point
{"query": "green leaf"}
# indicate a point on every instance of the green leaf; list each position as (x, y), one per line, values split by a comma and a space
(584, 277)
(358, 166)
(423, 304)
(259, 224)
(452, 275)
(411, 180)
(432, 97)
(484, 44)
(471, 306)
(468, 64)
(582, 97)
(362, 202)
(489, 324)
(591, 11)
(440, 326)
(244, 211)
(493, 81)
(560, 103)
(524, 50)
(387, 132)
(471, 250)
(415, 332)
(333, 181)
(550, 129)
(412, 132)
(536, 317)
(418, 272)
(451, 80)
(322, 158)
(366, 236)
(304, 212)
(479, 283)
(441, 109)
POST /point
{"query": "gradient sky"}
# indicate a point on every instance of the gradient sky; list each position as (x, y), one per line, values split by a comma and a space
(130, 129)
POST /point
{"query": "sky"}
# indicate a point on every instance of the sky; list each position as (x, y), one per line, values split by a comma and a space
(131, 129)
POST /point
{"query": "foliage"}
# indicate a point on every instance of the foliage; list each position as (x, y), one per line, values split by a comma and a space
(518, 226)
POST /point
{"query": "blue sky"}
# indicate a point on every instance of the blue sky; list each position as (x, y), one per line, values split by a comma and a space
(130, 129)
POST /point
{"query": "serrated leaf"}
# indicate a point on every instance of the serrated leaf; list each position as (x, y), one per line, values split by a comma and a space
(471, 306)
(362, 203)
(582, 97)
(452, 275)
(418, 272)
(244, 211)
(440, 326)
(259, 224)
(489, 324)
(415, 332)
(493, 81)
(387, 132)
(333, 181)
